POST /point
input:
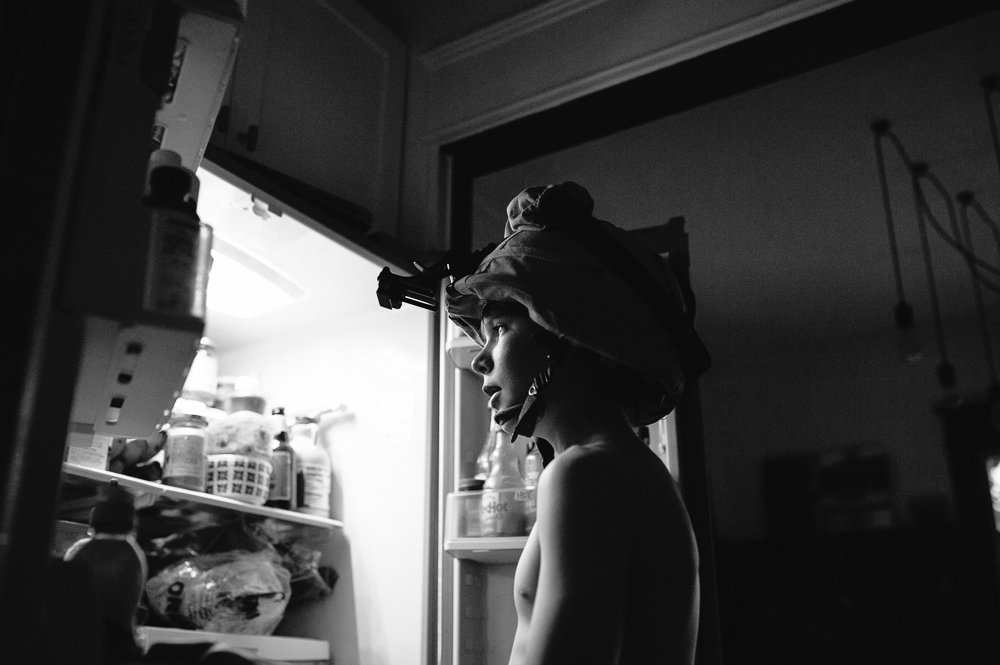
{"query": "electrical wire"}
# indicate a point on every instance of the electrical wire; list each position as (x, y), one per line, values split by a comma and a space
(946, 372)
(978, 294)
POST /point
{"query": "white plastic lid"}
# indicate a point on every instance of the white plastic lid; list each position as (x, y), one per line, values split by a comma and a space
(246, 386)
(189, 407)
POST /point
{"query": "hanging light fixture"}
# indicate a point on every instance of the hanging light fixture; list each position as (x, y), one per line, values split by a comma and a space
(958, 237)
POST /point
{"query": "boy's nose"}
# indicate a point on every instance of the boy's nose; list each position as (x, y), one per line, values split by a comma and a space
(482, 363)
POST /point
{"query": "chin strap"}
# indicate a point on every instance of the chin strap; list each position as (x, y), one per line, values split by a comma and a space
(528, 411)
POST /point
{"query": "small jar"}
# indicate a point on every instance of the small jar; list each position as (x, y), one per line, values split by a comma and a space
(184, 451)
(469, 525)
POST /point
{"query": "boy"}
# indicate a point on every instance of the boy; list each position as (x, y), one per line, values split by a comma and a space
(585, 335)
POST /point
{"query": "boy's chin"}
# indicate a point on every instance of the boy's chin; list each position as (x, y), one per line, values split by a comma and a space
(507, 417)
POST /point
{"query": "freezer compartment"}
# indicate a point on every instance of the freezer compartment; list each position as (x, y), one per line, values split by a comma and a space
(491, 513)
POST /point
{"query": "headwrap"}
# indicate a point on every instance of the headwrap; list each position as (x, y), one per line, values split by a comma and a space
(589, 284)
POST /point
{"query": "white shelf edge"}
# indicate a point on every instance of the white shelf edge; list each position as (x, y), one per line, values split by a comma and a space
(285, 648)
(486, 550)
(157, 490)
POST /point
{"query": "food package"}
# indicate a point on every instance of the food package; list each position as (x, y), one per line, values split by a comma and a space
(240, 433)
(230, 592)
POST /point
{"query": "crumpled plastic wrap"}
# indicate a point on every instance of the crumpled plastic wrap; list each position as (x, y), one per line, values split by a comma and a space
(230, 592)
(292, 545)
(240, 433)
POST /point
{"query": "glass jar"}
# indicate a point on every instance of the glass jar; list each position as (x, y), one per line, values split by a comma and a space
(184, 451)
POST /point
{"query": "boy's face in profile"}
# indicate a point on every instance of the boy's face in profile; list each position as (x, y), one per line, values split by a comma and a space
(510, 359)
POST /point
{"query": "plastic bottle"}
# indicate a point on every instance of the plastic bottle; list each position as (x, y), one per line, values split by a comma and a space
(117, 568)
(502, 508)
(203, 377)
(313, 469)
(282, 492)
(532, 465)
(485, 457)
(184, 458)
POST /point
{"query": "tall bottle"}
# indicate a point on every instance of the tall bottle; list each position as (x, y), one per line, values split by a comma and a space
(283, 477)
(503, 510)
(117, 568)
(313, 469)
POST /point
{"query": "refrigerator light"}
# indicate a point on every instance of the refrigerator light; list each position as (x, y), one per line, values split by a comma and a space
(244, 287)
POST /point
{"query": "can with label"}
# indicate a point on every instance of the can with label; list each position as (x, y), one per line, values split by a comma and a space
(184, 452)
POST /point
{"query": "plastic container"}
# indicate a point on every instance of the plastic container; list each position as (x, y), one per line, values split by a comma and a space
(117, 568)
(463, 511)
(239, 477)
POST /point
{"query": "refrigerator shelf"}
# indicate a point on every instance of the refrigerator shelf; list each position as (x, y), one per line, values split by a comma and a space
(486, 550)
(150, 493)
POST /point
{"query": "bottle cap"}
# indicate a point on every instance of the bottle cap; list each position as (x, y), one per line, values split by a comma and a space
(115, 510)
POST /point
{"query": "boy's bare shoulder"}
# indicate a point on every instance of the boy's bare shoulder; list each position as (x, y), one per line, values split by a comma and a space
(599, 466)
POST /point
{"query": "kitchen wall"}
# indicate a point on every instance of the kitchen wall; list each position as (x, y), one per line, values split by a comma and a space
(541, 57)
(790, 258)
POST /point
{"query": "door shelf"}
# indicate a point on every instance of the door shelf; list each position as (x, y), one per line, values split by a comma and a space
(149, 494)
(486, 550)
(462, 350)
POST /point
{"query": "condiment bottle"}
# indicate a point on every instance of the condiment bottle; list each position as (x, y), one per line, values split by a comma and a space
(180, 244)
(313, 469)
(283, 477)
(117, 568)
(184, 451)
(502, 509)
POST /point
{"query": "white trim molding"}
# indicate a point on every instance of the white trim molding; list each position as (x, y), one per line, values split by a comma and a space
(504, 31)
(584, 85)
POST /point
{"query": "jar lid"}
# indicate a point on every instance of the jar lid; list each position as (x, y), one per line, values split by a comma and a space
(188, 407)
(470, 484)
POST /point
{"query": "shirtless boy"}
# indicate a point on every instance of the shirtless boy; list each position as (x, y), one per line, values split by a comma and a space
(578, 352)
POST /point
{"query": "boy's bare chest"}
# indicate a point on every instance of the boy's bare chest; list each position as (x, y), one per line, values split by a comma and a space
(526, 576)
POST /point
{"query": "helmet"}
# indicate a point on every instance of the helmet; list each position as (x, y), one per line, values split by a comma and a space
(592, 285)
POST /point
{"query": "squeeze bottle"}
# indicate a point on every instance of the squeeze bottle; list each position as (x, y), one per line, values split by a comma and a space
(313, 469)
(117, 567)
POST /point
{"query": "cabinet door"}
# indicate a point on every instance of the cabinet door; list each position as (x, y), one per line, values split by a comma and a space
(322, 82)
(241, 104)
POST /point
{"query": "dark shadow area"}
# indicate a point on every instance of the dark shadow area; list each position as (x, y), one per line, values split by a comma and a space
(879, 597)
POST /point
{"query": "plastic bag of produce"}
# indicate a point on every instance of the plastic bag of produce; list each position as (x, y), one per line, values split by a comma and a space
(230, 592)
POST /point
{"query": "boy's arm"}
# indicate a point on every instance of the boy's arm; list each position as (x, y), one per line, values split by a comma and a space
(579, 601)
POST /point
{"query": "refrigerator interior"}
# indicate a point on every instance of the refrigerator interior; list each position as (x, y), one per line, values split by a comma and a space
(292, 304)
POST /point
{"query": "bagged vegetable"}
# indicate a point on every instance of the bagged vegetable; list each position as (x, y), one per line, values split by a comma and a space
(229, 592)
